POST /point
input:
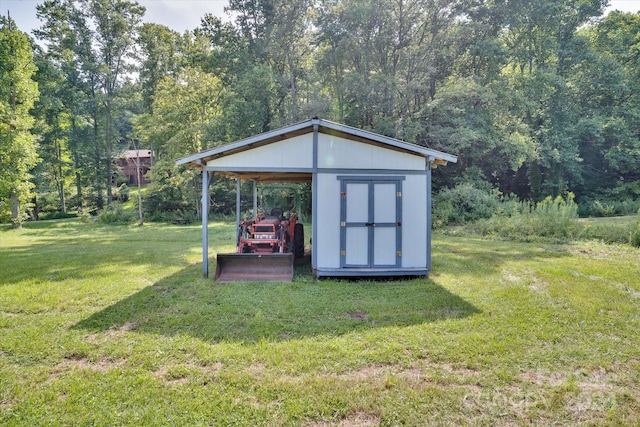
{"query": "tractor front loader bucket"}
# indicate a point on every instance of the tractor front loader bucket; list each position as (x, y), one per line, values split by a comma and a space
(252, 267)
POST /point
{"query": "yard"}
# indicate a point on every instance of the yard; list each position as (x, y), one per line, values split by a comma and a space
(114, 325)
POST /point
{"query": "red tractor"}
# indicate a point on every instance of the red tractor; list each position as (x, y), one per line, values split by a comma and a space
(266, 249)
(271, 234)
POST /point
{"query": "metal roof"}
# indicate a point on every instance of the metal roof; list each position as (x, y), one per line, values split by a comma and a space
(132, 154)
(199, 160)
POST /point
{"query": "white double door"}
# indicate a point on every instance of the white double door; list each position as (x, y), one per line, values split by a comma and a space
(371, 221)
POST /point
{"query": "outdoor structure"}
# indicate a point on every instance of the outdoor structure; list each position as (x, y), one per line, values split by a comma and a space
(371, 194)
(128, 160)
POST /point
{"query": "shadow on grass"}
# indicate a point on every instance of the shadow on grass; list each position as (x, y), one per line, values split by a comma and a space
(249, 312)
(187, 304)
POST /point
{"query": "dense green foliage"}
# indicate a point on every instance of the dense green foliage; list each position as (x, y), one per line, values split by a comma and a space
(537, 98)
(621, 229)
(115, 214)
(635, 233)
(18, 92)
(464, 203)
(466, 210)
(556, 218)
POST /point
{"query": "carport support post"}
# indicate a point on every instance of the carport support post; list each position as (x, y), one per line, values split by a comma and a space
(255, 198)
(238, 183)
(205, 221)
(314, 199)
(429, 160)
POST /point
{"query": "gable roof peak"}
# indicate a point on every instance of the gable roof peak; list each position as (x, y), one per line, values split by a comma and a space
(321, 126)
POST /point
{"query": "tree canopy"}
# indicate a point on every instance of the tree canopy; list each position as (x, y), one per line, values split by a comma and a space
(537, 98)
(18, 92)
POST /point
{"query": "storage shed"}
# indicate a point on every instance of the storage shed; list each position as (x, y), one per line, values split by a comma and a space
(371, 194)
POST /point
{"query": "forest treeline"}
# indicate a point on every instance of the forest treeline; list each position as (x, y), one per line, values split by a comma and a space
(537, 97)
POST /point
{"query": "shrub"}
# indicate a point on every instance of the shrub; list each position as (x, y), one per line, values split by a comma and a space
(171, 194)
(599, 208)
(114, 214)
(86, 217)
(634, 240)
(550, 218)
(122, 193)
(58, 215)
(166, 204)
(48, 203)
(556, 217)
(463, 204)
(608, 233)
(605, 207)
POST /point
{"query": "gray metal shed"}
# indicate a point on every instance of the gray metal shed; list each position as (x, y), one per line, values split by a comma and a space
(371, 194)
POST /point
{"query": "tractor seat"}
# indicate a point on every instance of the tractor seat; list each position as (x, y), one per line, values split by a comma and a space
(276, 212)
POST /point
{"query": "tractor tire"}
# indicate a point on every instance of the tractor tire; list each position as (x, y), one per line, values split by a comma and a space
(298, 240)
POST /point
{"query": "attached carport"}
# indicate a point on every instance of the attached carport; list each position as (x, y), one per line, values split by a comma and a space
(371, 194)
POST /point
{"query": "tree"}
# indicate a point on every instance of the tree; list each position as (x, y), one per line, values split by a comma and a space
(186, 114)
(94, 41)
(159, 55)
(288, 43)
(544, 51)
(607, 83)
(187, 118)
(116, 23)
(68, 37)
(384, 60)
(237, 57)
(477, 121)
(53, 125)
(535, 96)
(18, 92)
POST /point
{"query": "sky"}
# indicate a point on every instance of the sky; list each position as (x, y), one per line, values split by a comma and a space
(182, 15)
(179, 15)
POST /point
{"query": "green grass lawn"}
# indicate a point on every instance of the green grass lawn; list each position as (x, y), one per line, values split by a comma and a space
(114, 325)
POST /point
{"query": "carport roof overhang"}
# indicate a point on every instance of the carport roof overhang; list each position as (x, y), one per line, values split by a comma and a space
(284, 176)
(267, 174)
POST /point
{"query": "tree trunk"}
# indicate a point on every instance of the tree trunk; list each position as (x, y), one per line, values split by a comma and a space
(294, 92)
(76, 165)
(60, 183)
(108, 155)
(34, 211)
(79, 192)
(139, 178)
(100, 199)
(16, 220)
